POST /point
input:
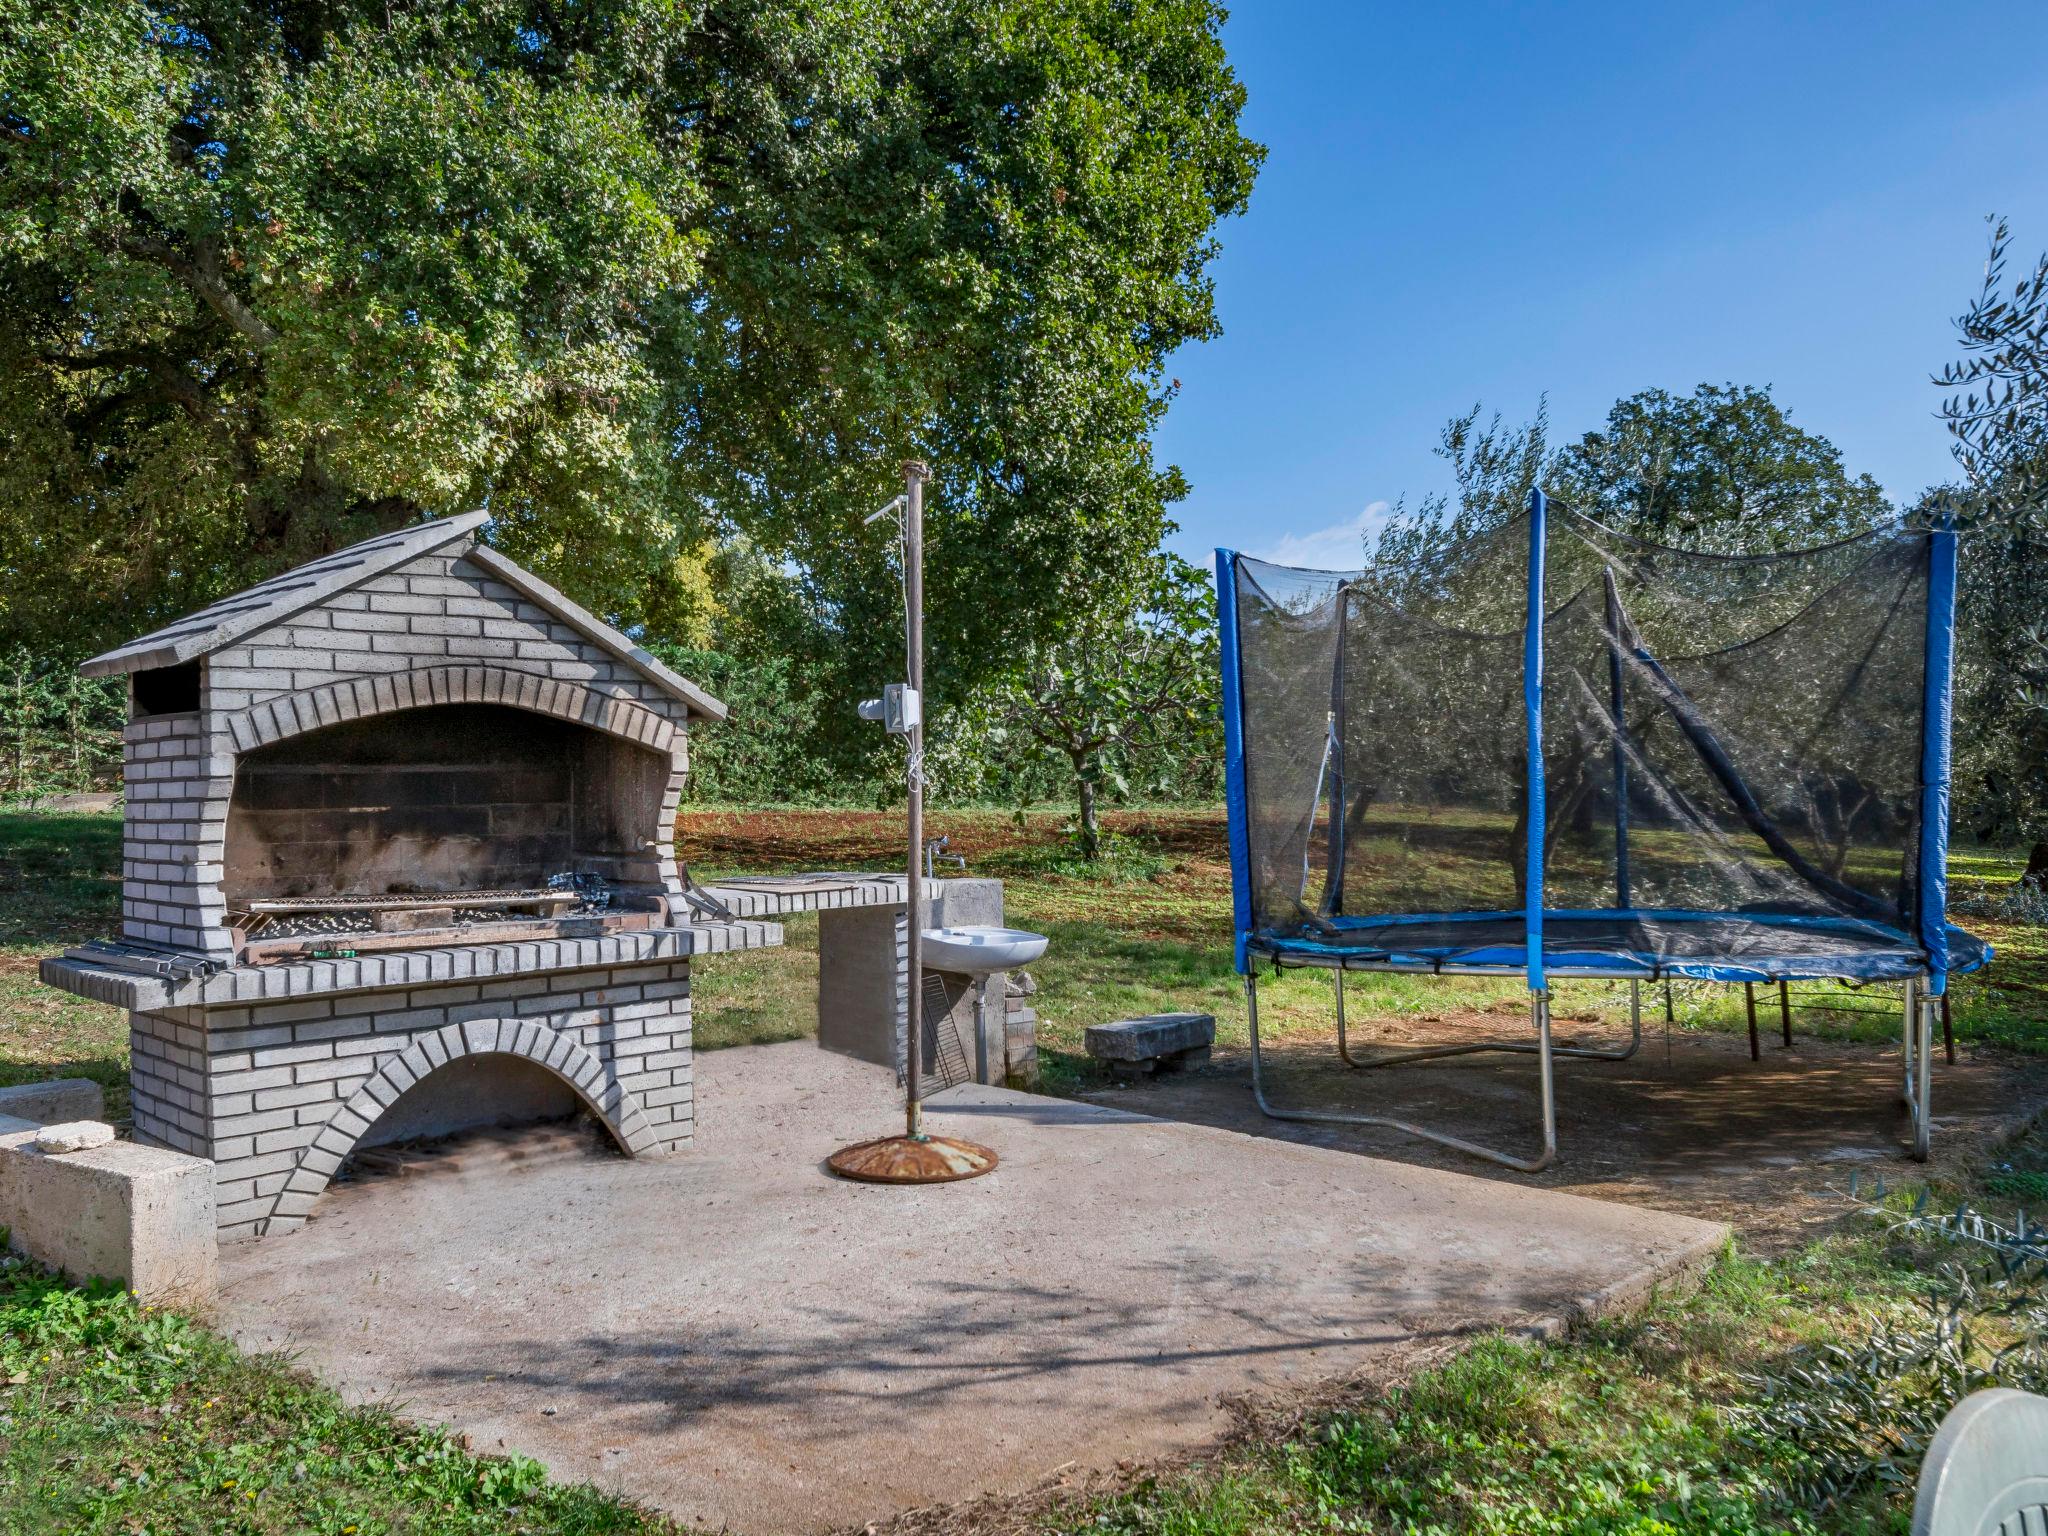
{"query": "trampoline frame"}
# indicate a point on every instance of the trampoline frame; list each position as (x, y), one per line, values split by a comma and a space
(1925, 995)
(1545, 1049)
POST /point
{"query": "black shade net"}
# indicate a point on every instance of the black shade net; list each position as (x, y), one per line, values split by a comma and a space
(1731, 754)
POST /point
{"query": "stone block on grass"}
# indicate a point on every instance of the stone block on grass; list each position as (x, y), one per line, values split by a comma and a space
(1155, 1042)
(65, 1098)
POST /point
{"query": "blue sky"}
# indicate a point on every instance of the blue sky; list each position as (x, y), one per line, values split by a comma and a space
(1471, 203)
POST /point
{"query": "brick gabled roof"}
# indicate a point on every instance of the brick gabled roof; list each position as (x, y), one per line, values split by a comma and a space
(278, 599)
(273, 601)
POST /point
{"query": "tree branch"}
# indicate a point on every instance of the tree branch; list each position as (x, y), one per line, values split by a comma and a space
(201, 273)
(171, 381)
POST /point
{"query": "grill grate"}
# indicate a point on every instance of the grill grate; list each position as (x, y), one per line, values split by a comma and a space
(346, 903)
(945, 1056)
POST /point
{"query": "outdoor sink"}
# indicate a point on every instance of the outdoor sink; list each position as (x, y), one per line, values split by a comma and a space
(980, 951)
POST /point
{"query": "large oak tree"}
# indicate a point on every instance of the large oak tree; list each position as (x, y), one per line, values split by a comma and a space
(632, 274)
(1722, 469)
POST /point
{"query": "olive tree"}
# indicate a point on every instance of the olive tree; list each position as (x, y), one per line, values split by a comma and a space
(1125, 698)
(1997, 414)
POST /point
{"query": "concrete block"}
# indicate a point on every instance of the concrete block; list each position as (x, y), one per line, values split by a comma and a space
(72, 1136)
(64, 1098)
(1150, 1038)
(861, 983)
(965, 904)
(138, 1215)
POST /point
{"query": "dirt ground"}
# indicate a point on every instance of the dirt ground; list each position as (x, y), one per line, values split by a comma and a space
(1689, 1125)
(993, 840)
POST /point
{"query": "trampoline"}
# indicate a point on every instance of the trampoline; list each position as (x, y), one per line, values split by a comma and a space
(1548, 749)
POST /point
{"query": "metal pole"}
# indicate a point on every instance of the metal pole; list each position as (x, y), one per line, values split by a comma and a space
(915, 1157)
(981, 1050)
(1618, 740)
(914, 473)
(1749, 1001)
(1343, 1045)
(1333, 877)
(1912, 1009)
(1532, 743)
(1923, 1083)
(1785, 1011)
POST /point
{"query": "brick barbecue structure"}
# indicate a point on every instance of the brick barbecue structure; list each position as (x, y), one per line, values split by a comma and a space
(399, 827)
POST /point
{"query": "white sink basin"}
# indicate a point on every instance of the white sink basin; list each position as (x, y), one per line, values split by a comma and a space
(980, 951)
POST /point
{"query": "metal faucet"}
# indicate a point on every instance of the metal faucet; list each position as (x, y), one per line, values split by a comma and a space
(935, 854)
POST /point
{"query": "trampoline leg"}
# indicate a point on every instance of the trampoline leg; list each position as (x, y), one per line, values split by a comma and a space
(1343, 1045)
(1910, 1014)
(1635, 1032)
(1785, 1011)
(1948, 1030)
(1749, 1002)
(1541, 1005)
(1923, 1080)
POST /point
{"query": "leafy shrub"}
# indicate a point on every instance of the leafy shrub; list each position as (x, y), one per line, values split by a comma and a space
(61, 732)
(1840, 1419)
(2023, 902)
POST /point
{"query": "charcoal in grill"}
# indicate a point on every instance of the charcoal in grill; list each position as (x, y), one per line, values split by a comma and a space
(593, 892)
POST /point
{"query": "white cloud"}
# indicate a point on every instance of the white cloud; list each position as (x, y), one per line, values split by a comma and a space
(1339, 547)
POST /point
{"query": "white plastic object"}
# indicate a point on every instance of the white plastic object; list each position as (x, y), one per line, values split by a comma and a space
(980, 951)
(899, 709)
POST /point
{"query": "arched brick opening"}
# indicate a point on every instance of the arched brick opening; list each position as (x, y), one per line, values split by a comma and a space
(492, 782)
(545, 1047)
(312, 709)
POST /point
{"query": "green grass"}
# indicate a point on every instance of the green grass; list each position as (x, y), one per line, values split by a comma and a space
(114, 1418)
(59, 885)
(1630, 1427)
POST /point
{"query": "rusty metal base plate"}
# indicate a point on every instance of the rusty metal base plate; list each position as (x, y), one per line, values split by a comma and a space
(912, 1160)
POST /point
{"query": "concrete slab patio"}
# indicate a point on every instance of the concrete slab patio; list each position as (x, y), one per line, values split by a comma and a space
(737, 1338)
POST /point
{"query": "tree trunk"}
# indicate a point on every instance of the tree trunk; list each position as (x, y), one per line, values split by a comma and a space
(2036, 877)
(1091, 833)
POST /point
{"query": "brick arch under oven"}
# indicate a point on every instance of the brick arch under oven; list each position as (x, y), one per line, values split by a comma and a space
(555, 1052)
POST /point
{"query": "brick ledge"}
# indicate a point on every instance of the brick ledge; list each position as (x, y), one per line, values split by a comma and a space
(402, 968)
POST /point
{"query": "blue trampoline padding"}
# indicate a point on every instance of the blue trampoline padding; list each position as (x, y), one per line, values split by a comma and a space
(1936, 727)
(1645, 943)
(1233, 754)
(1534, 842)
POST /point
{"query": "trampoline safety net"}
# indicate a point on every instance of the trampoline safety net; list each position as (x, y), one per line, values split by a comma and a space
(1723, 767)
